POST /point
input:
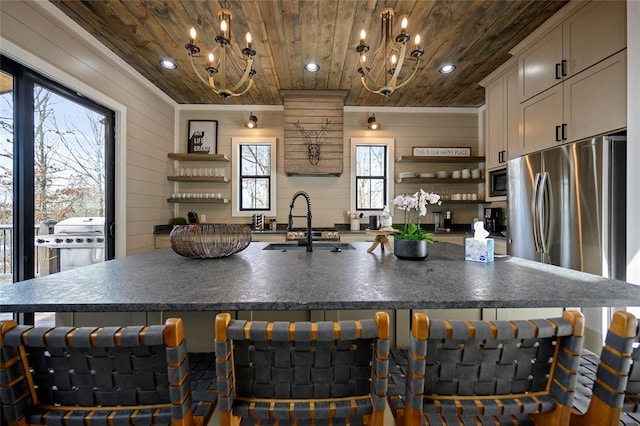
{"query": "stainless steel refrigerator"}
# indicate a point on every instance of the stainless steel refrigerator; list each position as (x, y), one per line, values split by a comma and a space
(567, 206)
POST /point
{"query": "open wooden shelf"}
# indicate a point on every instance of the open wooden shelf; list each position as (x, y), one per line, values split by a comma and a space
(440, 180)
(450, 160)
(198, 157)
(199, 200)
(216, 179)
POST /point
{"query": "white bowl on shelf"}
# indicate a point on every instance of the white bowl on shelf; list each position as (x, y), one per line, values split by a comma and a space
(442, 174)
(456, 174)
(427, 175)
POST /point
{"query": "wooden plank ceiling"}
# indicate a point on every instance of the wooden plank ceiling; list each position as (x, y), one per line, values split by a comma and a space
(476, 35)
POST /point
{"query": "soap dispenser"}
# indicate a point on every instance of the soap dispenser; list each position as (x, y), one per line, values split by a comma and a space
(385, 218)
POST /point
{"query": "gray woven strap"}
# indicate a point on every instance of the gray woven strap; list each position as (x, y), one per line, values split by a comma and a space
(154, 335)
(302, 332)
(130, 336)
(325, 331)
(235, 330)
(504, 330)
(545, 328)
(258, 330)
(615, 361)
(13, 337)
(348, 330)
(280, 331)
(35, 336)
(106, 337)
(81, 338)
(564, 327)
(437, 329)
(525, 329)
(622, 344)
(369, 329)
(58, 337)
(483, 330)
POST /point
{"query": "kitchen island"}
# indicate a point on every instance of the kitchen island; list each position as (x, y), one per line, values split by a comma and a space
(257, 279)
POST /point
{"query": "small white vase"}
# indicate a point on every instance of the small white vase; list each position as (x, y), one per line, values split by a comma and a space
(355, 225)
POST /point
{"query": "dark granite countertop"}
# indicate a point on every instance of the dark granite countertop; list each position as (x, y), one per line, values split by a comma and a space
(254, 279)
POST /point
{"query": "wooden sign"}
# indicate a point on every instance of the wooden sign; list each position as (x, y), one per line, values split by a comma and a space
(428, 151)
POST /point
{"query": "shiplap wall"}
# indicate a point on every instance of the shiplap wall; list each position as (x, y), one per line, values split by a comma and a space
(36, 34)
(329, 195)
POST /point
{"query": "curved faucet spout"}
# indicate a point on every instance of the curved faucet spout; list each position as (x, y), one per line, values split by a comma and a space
(290, 225)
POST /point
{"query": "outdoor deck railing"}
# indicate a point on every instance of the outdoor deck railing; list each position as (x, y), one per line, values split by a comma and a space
(6, 252)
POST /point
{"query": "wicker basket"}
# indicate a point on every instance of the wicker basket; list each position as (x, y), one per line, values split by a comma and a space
(209, 240)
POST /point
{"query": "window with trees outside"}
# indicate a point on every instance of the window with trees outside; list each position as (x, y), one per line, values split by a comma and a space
(371, 183)
(371, 177)
(254, 175)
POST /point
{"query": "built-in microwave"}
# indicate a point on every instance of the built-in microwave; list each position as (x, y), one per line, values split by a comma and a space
(498, 183)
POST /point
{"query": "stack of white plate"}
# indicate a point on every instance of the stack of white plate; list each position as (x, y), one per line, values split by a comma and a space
(443, 174)
(427, 175)
(405, 175)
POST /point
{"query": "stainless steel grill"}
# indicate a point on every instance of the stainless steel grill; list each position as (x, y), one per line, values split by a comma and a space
(80, 241)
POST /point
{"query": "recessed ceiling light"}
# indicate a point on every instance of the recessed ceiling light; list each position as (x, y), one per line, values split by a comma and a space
(312, 67)
(169, 64)
(446, 69)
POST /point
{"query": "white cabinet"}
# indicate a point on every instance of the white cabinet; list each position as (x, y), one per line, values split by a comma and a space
(512, 115)
(590, 103)
(541, 120)
(595, 101)
(501, 94)
(596, 31)
(268, 237)
(540, 65)
(450, 238)
(500, 246)
(496, 137)
(589, 33)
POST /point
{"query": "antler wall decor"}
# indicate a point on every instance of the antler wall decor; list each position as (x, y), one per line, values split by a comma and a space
(313, 142)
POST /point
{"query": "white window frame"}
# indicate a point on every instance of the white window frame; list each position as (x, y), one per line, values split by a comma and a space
(390, 144)
(236, 187)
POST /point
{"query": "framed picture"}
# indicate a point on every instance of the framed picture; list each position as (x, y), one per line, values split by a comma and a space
(202, 137)
(427, 151)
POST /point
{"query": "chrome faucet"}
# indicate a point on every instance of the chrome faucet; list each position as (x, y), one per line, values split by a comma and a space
(290, 226)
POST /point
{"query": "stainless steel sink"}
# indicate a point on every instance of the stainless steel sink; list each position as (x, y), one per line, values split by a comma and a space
(316, 246)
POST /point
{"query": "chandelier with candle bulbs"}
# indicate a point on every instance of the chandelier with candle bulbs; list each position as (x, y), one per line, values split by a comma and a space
(390, 55)
(223, 57)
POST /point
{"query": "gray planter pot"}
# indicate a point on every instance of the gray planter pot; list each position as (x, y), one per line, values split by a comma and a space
(410, 249)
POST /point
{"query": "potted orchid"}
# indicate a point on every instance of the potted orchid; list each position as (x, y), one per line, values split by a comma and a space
(411, 240)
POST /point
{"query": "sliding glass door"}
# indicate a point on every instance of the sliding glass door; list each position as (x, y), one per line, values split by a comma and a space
(57, 156)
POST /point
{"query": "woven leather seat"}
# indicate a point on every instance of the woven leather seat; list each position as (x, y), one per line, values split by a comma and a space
(302, 372)
(477, 372)
(100, 376)
(608, 390)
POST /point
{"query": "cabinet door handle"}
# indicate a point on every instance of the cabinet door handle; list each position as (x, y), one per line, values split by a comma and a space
(503, 155)
(558, 131)
(564, 131)
(558, 71)
(564, 67)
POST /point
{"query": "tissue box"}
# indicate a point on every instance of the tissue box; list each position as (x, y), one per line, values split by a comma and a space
(479, 250)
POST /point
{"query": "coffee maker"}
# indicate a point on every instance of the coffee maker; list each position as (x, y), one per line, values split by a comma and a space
(493, 219)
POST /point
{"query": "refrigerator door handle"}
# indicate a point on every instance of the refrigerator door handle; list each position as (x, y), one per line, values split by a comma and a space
(535, 212)
(545, 208)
